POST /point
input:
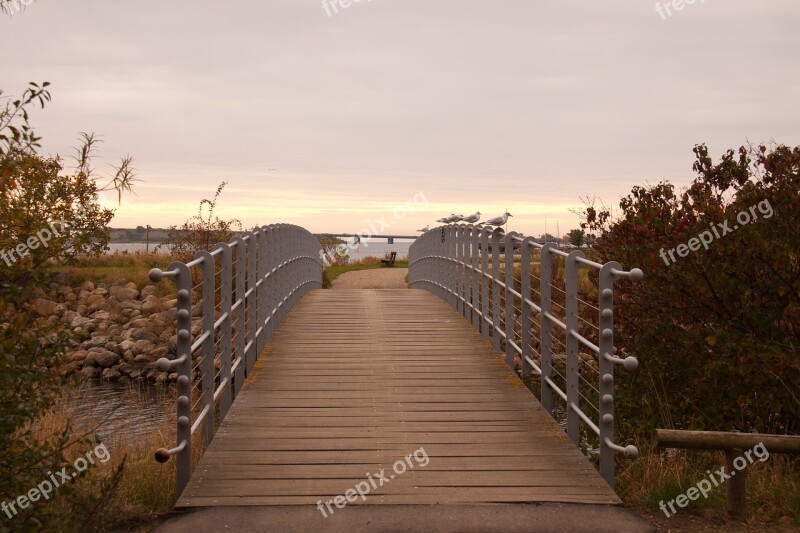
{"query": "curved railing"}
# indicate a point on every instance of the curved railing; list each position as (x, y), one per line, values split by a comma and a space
(245, 289)
(527, 316)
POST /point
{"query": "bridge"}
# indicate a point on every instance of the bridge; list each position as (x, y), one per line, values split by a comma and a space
(364, 408)
(358, 237)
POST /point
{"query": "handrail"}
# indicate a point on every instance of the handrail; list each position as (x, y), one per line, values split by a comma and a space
(462, 264)
(246, 289)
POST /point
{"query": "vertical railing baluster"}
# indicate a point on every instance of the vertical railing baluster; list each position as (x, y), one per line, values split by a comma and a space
(226, 329)
(208, 307)
(497, 235)
(485, 307)
(573, 347)
(510, 309)
(545, 324)
(239, 313)
(475, 279)
(527, 294)
(251, 304)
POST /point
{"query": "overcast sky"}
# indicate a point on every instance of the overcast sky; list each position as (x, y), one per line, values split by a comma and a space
(332, 121)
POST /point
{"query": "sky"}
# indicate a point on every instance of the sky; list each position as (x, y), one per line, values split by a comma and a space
(397, 112)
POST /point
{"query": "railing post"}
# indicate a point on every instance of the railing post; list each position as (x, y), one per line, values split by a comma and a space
(250, 303)
(573, 348)
(606, 369)
(525, 290)
(475, 279)
(239, 313)
(226, 329)
(546, 325)
(509, 298)
(497, 235)
(459, 257)
(184, 369)
(208, 307)
(485, 307)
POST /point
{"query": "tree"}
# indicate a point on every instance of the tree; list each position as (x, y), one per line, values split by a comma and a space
(546, 237)
(576, 237)
(45, 215)
(717, 331)
(201, 232)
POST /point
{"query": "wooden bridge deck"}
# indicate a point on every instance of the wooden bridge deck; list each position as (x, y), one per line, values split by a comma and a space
(355, 380)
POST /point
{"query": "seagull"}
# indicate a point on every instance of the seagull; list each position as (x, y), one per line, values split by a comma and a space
(473, 218)
(426, 228)
(499, 221)
(442, 220)
(453, 218)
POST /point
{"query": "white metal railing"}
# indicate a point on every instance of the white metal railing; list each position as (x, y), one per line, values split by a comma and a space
(555, 331)
(245, 289)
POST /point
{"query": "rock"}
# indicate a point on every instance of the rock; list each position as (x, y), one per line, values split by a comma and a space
(143, 358)
(135, 374)
(109, 374)
(139, 323)
(78, 356)
(69, 316)
(101, 290)
(112, 346)
(89, 372)
(87, 286)
(101, 316)
(123, 294)
(150, 305)
(144, 335)
(149, 290)
(72, 367)
(126, 345)
(105, 358)
(158, 353)
(96, 341)
(80, 322)
(143, 346)
(43, 307)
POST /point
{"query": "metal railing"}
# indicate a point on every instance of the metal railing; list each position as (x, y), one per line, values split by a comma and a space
(245, 289)
(542, 317)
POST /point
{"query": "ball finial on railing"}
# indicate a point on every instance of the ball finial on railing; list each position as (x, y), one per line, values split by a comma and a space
(162, 455)
(156, 275)
(637, 274)
(631, 451)
(630, 364)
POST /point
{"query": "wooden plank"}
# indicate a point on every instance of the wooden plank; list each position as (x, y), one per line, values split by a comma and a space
(357, 380)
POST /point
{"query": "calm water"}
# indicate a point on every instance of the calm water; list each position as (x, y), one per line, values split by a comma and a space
(377, 248)
(121, 411)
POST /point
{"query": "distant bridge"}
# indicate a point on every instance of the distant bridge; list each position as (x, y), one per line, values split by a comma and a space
(389, 238)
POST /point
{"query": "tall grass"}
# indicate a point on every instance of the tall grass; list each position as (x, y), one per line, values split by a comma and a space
(110, 268)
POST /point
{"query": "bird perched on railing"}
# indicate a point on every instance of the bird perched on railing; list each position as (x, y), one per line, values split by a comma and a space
(426, 228)
(499, 221)
(453, 218)
(473, 218)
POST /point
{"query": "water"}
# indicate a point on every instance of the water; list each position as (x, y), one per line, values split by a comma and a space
(375, 248)
(120, 411)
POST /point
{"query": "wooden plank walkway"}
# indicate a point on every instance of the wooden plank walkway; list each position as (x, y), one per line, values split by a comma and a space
(357, 379)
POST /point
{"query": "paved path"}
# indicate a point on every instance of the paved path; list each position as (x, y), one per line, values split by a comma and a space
(379, 278)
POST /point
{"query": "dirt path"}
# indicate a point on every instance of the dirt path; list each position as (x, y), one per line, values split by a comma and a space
(379, 278)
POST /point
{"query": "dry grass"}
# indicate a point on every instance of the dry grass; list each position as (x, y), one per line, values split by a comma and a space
(773, 487)
(132, 267)
(144, 488)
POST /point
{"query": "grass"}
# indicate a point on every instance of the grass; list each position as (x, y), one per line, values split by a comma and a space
(368, 263)
(133, 487)
(773, 489)
(110, 268)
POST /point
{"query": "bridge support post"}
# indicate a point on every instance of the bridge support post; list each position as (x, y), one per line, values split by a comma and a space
(390, 240)
(511, 352)
(497, 235)
(546, 325)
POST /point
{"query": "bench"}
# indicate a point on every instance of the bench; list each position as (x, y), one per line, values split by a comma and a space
(390, 260)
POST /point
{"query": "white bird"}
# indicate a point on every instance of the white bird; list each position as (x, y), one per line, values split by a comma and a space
(453, 218)
(442, 220)
(499, 221)
(473, 218)
(426, 228)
